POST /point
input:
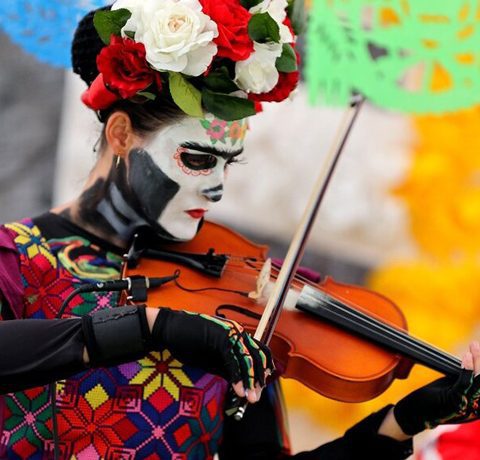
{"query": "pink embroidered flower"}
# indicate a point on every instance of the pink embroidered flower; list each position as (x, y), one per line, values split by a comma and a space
(217, 129)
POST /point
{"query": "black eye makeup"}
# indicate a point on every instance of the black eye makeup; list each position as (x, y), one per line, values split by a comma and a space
(198, 161)
(232, 161)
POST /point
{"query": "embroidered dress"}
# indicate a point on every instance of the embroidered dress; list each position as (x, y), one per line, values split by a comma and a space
(155, 408)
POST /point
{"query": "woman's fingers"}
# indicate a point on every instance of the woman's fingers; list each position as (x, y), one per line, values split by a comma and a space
(239, 389)
(475, 352)
(467, 361)
(252, 396)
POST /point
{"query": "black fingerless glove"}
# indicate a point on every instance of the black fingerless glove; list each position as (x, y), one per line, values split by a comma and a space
(446, 400)
(213, 344)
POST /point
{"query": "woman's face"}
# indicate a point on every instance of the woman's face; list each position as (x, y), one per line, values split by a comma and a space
(181, 170)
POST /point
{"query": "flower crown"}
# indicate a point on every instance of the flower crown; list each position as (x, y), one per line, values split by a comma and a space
(224, 56)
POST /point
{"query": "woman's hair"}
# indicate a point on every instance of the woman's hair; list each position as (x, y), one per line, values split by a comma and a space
(146, 116)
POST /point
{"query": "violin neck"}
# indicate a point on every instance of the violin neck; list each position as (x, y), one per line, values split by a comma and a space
(322, 305)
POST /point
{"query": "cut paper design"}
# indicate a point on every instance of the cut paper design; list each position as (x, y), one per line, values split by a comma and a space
(45, 28)
(419, 56)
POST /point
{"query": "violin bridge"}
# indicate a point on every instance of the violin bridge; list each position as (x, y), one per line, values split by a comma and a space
(262, 280)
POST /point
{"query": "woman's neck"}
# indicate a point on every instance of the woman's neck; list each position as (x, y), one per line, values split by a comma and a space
(102, 208)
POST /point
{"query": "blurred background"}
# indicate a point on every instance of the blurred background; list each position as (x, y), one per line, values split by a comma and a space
(401, 217)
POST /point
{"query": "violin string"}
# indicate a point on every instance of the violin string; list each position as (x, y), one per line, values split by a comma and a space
(417, 350)
(298, 277)
(364, 319)
(398, 334)
(429, 351)
(389, 328)
(257, 265)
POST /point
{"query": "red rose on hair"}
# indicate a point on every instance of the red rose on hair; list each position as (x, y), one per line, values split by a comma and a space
(287, 82)
(124, 67)
(232, 21)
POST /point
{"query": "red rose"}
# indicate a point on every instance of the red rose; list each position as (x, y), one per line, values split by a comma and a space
(287, 82)
(124, 67)
(258, 106)
(232, 21)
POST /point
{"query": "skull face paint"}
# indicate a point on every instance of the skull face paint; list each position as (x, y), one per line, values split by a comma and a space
(193, 154)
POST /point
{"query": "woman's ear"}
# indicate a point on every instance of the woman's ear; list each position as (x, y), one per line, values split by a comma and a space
(119, 134)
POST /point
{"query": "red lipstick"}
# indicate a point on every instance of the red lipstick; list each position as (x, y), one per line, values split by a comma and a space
(196, 213)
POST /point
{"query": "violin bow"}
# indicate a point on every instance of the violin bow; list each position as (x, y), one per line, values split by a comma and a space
(295, 252)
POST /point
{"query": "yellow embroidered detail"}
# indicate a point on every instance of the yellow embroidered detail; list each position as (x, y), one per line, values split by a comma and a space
(96, 396)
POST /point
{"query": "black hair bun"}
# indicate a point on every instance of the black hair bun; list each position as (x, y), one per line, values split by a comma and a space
(85, 48)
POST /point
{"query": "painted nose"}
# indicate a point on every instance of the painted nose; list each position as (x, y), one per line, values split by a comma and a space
(213, 194)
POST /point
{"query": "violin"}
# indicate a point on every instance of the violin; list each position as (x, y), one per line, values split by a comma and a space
(343, 341)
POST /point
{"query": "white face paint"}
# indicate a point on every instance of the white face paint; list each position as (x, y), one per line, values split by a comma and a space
(195, 154)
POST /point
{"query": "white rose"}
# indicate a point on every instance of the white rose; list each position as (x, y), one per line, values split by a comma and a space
(277, 9)
(176, 34)
(258, 73)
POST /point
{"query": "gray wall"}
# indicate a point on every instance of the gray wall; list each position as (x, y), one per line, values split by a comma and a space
(30, 101)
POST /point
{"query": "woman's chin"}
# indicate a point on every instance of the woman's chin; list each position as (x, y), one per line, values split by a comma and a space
(184, 231)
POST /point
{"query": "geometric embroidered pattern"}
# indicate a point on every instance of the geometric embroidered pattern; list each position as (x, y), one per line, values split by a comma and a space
(153, 408)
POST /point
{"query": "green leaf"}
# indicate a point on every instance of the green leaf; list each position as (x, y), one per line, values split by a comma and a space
(129, 34)
(185, 95)
(227, 107)
(262, 28)
(219, 81)
(110, 22)
(150, 96)
(287, 62)
(249, 3)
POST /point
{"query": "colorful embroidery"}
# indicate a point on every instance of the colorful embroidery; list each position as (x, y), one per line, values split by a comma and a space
(86, 261)
(155, 408)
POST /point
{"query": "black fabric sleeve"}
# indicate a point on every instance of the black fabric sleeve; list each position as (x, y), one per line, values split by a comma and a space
(35, 352)
(362, 441)
(256, 438)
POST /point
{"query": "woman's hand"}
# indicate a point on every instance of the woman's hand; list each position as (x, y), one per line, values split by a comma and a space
(446, 400)
(216, 345)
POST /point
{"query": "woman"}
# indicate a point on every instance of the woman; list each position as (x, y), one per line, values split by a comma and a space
(162, 164)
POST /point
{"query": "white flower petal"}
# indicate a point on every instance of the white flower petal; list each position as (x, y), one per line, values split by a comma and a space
(199, 60)
(258, 73)
(176, 34)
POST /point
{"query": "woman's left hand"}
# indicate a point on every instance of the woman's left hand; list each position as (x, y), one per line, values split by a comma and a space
(446, 400)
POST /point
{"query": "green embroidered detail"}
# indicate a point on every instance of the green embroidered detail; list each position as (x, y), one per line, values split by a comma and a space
(86, 261)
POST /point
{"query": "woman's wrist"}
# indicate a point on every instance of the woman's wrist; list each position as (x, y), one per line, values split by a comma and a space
(391, 428)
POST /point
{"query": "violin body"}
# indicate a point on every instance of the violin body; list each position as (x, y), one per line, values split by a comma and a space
(330, 361)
